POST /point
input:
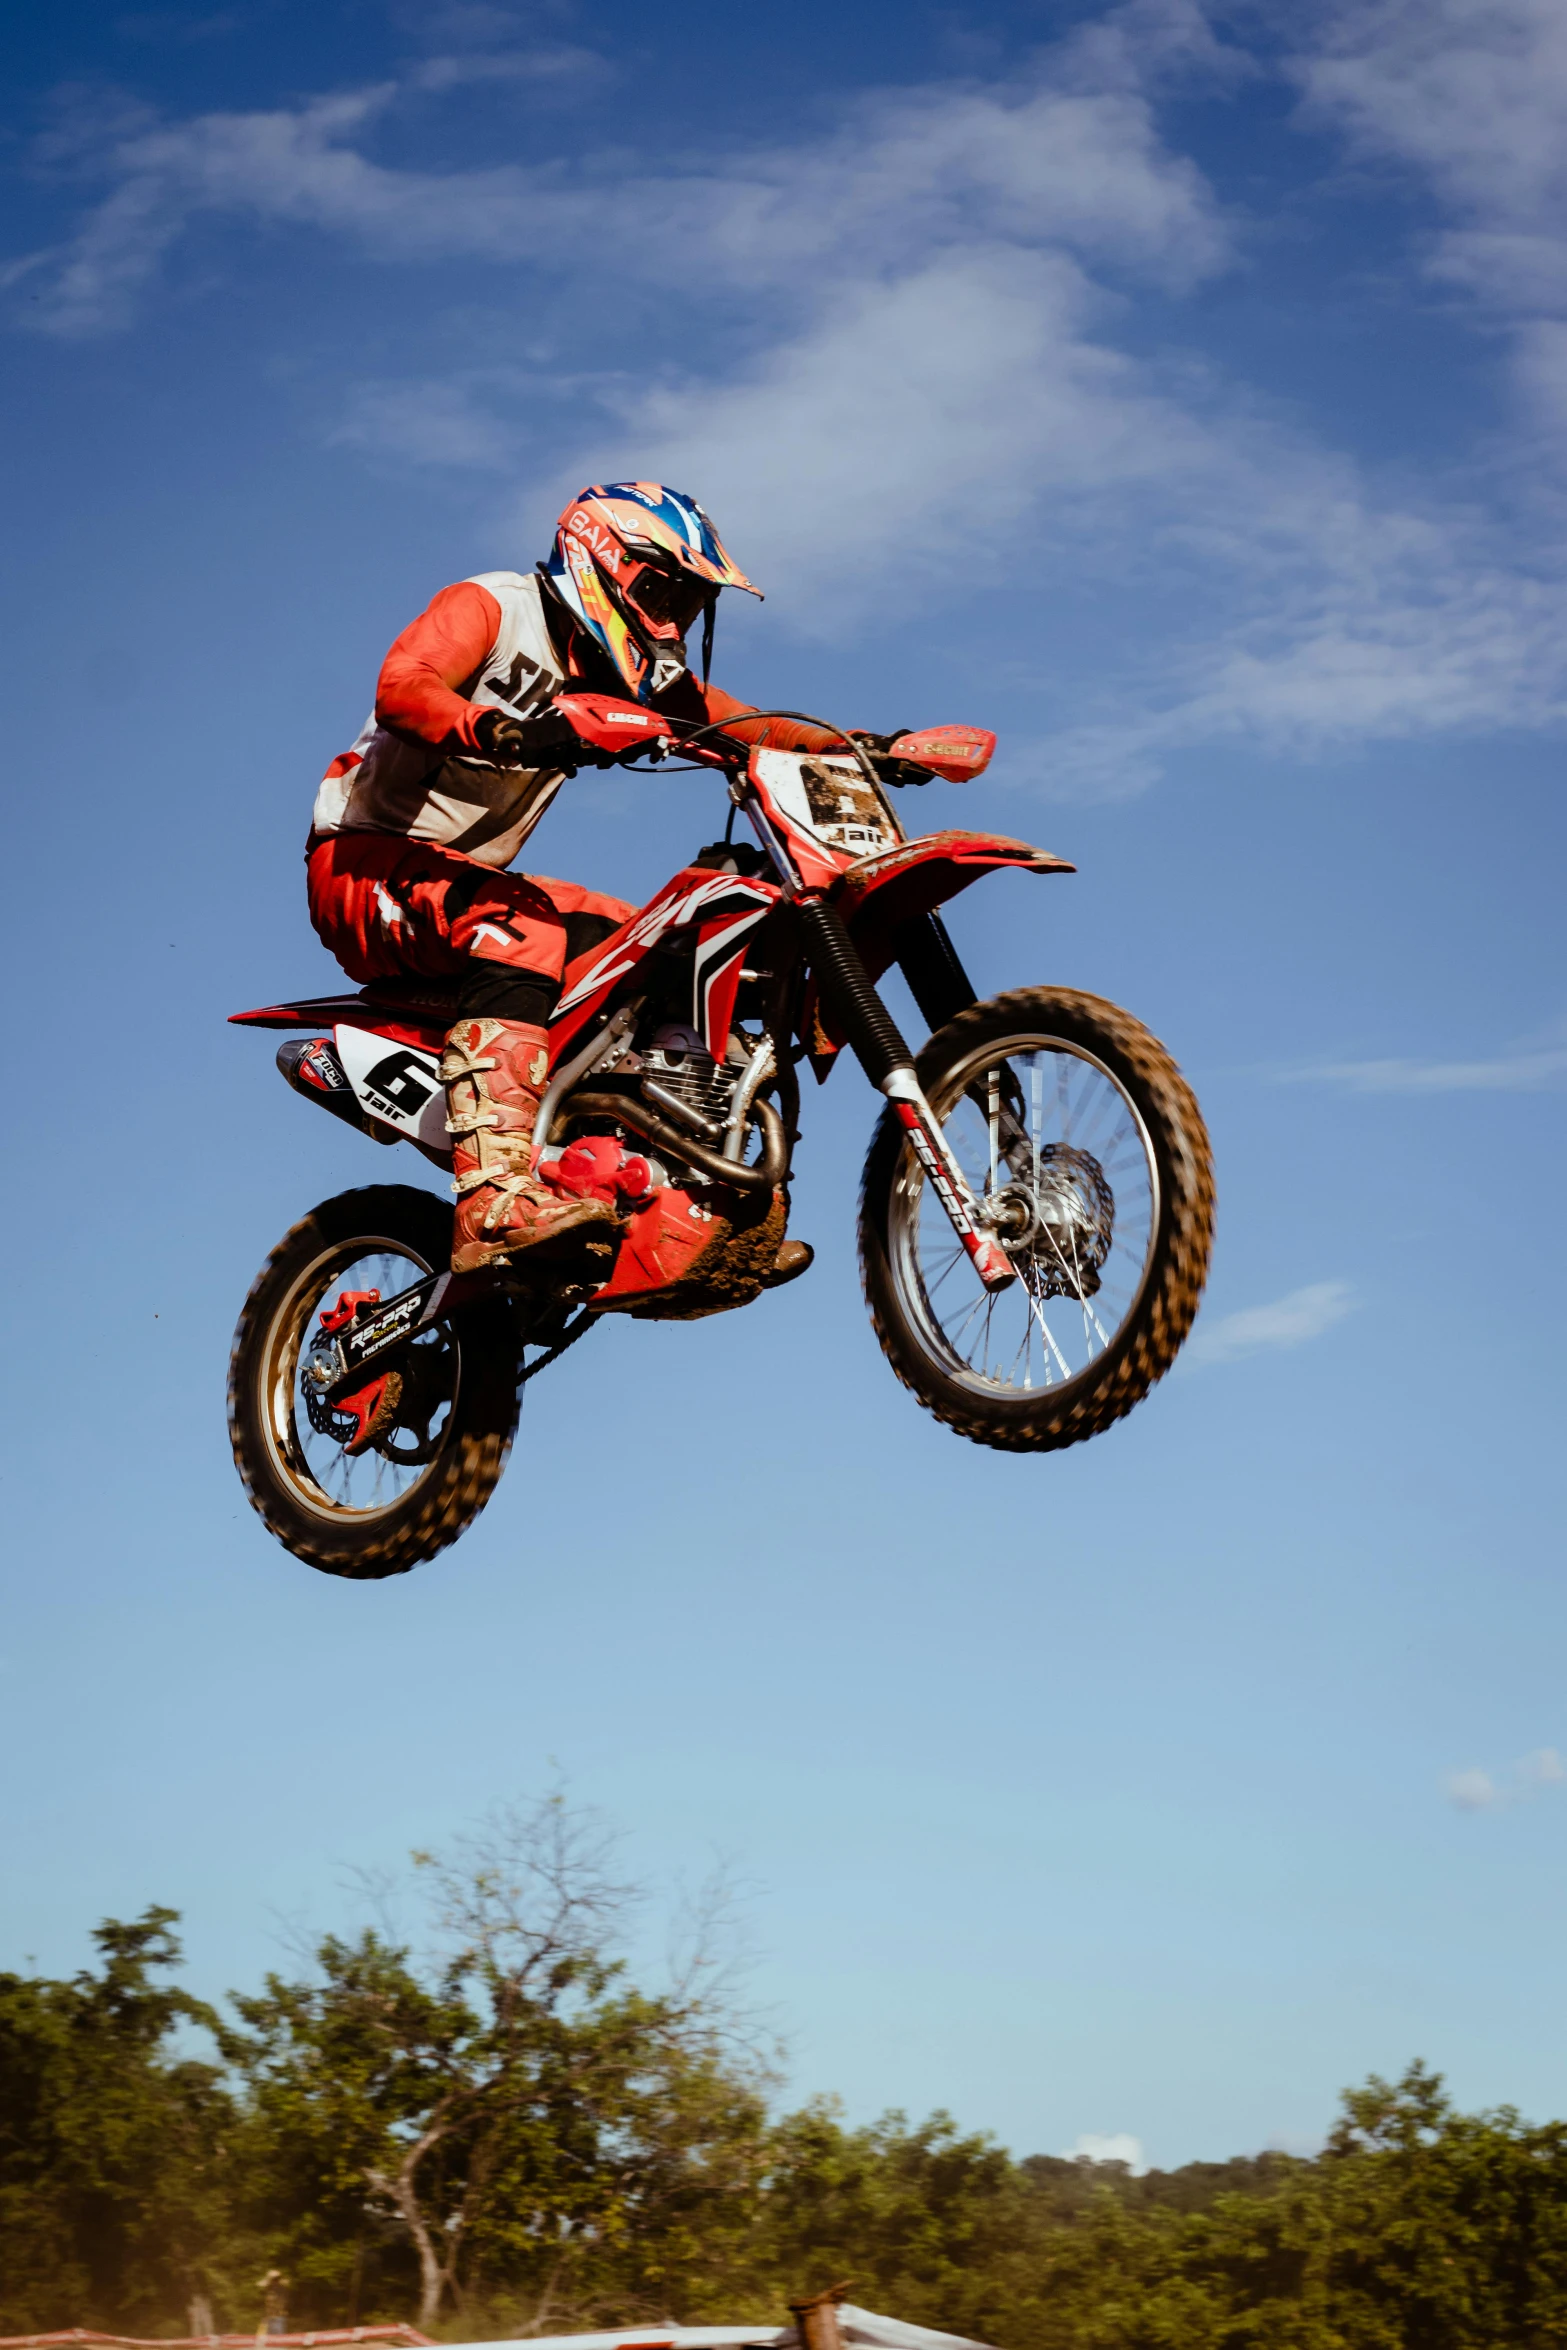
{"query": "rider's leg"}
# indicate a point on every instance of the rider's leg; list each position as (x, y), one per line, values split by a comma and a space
(494, 1072)
(514, 938)
(393, 908)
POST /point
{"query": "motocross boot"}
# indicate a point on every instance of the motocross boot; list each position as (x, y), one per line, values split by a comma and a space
(494, 1072)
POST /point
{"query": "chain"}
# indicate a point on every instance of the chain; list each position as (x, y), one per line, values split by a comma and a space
(574, 1331)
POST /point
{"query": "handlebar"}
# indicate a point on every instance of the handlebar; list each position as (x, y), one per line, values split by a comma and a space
(620, 731)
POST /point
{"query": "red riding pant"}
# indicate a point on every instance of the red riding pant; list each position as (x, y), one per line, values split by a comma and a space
(393, 908)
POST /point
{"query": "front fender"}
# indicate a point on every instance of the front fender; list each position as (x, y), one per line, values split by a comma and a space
(878, 894)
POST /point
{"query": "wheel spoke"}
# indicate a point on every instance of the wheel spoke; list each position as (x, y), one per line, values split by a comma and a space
(1038, 1312)
(969, 1313)
(984, 1331)
(1041, 1128)
(954, 1260)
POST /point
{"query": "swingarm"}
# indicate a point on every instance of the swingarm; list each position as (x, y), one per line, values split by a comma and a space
(359, 1330)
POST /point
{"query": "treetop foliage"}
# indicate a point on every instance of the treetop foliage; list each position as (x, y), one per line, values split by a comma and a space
(502, 2134)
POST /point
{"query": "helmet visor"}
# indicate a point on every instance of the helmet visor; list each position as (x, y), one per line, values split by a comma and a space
(667, 601)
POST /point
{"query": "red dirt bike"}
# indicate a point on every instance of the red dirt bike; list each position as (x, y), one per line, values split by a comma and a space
(1036, 1211)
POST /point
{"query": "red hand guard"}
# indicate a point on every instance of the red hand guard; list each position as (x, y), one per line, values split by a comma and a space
(611, 725)
(953, 752)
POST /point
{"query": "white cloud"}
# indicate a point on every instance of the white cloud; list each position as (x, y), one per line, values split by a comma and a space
(1540, 360)
(916, 422)
(425, 423)
(1477, 1790)
(1532, 1065)
(1290, 1321)
(904, 173)
(1108, 2146)
(1471, 94)
(543, 61)
(918, 308)
(1506, 1073)
(1146, 44)
(948, 415)
(289, 164)
(1472, 1790)
(1350, 651)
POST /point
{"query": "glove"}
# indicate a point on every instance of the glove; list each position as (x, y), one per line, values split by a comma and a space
(897, 772)
(547, 741)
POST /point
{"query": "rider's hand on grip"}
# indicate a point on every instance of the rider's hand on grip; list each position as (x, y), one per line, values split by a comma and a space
(524, 742)
(893, 770)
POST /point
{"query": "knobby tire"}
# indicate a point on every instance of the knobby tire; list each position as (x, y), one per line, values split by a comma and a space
(1147, 1343)
(371, 1545)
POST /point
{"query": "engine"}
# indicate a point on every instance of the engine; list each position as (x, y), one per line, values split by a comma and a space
(683, 1066)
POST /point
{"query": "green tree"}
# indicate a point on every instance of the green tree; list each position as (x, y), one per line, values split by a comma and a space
(112, 2173)
(510, 2112)
(1448, 2230)
(939, 2226)
(1418, 2229)
(502, 2130)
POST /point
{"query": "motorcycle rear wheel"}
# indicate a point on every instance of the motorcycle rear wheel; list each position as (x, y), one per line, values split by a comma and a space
(1072, 1122)
(440, 1461)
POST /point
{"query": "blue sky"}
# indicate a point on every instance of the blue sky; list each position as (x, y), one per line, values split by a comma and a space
(1183, 395)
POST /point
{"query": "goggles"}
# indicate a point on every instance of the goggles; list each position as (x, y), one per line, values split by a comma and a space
(665, 601)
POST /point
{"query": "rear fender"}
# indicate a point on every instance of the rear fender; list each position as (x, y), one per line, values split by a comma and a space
(880, 893)
(380, 1071)
(409, 1012)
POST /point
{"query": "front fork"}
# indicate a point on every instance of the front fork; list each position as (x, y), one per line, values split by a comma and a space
(888, 1063)
(947, 1179)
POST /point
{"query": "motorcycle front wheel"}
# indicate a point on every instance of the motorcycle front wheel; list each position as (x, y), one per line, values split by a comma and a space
(1087, 1151)
(434, 1466)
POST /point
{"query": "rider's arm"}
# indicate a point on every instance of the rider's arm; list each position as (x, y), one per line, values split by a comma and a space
(437, 654)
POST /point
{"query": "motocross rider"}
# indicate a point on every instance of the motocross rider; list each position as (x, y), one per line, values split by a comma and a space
(416, 825)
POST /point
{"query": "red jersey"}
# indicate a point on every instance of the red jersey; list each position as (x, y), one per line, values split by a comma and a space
(416, 768)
